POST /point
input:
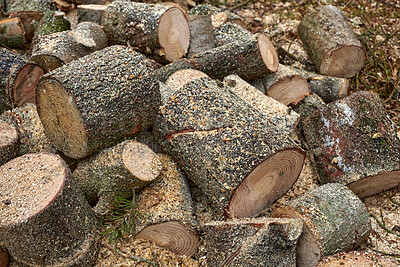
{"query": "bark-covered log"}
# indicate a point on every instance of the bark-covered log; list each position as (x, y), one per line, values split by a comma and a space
(95, 101)
(44, 218)
(250, 59)
(307, 106)
(118, 171)
(18, 79)
(53, 50)
(355, 143)
(201, 34)
(252, 242)
(356, 259)
(158, 29)
(9, 142)
(218, 16)
(230, 32)
(335, 220)
(240, 160)
(274, 111)
(331, 42)
(167, 211)
(12, 33)
(90, 13)
(147, 138)
(52, 22)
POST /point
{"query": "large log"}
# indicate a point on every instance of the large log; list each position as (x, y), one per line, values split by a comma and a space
(167, 215)
(54, 50)
(95, 101)
(18, 80)
(12, 33)
(335, 220)
(242, 162)
(252, 242)
(44, 219)
(8, 143)
(354, 142)
(118, 171)
(162, 30)
(201, 34)
(331, 42)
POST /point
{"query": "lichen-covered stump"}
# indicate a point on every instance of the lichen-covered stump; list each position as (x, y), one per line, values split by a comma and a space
(12, 33)
(201, 34)
(240, 160)
(18, 79)
(356, 259)
(218, 15)
(118, 171)
(9, 142)
(252, 242)
(53, 50)
(95, 101)
(44, 218)
(167, 215)
(162, 30)
(331, 42)
(354, 142)
(335, 220)
(274, 111)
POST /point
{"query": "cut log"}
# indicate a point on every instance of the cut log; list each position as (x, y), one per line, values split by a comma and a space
(162, 30)
(12, 33)
(355, 143)
(90, 13)
(53, 50)
(218, 16)
(118, 171)
(230, 32)
(307, 106)
(95, 101)
(167, 212)
(274, 112)
(250, 59)
(52, 22)
(201, 34)
(9, 142)
(289, 89)
(331, 42)
(181, 77)
(356, 259)
(242, 162)
(335, 220)
(252, 242)
(44, 219)
(18, 79)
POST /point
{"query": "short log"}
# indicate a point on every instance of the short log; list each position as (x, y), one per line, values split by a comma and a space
(218, 16)
(201, 34)
(118, 171)
(54, 50)
(354, 142)
(157, 29)
(335, 220)
(44, 219)
(18, 79)
(9, 143)
(51, 22)
(181, 77)
(12, 33)
(167, 211)
(242, 162)
(356, 259)
(95, 101)
(331, 42)
(252, 242)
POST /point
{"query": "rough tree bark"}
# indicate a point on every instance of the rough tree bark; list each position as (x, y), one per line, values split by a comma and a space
(230, 32)
(307, 106)
(201, 34)
(95, 101)
(335, 220)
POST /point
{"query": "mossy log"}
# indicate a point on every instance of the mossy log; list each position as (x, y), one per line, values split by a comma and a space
(44, 219)
(242, 162)
(306, 107)
(9, 142)
(250, 59)
(335, 220)
(354, 142)
(274, 111)
(51, 22)
(53, 50)
(331, 42)
(12, 33)
(218, 16)
(252, 242)
(96, 101)
(230, 32)
(167, 215)
(356, 259)
(18, 79)
(201, 34)
(118, 171)
(158, 29)
(90, 13)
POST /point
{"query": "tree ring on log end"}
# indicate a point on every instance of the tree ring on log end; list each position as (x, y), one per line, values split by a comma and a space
(268, 52)
(24, 89)
(289, 89)
(48, 62)
(174, 34)
(343, 62)
(61, 119)
(29, 184)
(172, 235)
(375, 184)
(266, 183)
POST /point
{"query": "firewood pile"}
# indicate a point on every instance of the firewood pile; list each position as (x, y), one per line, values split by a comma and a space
(192, 116)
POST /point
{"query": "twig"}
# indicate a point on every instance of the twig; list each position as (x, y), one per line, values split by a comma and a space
(240, 5)
(126, 255)
(388, 4)
(391, 199)
(383, 226)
